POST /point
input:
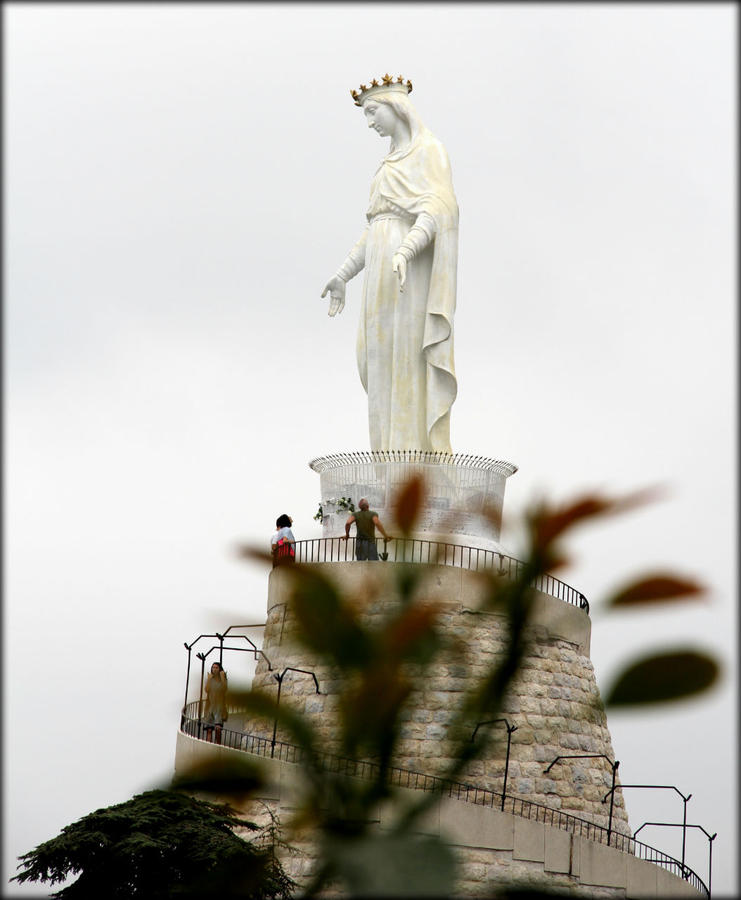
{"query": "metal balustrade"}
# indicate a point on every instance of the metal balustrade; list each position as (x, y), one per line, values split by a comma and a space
(437, 553)
(411, 457)
(467, 793)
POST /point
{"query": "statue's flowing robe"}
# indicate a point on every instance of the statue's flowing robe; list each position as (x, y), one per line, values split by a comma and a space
(405, 338)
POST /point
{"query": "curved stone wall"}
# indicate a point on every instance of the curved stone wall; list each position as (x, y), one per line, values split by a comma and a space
(554, 701)
(493, 849)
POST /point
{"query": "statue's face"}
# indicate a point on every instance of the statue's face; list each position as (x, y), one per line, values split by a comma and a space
(380, 117)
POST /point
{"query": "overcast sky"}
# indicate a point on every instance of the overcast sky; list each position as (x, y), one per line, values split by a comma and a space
(180, 183)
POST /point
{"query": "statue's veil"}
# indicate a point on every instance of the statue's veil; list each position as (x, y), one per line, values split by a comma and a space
(402, 106)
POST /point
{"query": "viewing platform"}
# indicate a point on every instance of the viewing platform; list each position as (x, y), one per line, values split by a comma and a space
(437, 553)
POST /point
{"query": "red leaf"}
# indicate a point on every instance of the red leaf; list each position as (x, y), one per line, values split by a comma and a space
(248, 551)
(409, 504)
(550, 523)
(415, 624)
(656, 589)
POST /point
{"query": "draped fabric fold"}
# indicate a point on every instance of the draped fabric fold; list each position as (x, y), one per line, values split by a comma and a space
(405, 339)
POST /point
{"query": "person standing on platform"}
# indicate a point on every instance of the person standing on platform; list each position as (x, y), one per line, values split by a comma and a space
(283, 542)
(215, 711)
(366, 521)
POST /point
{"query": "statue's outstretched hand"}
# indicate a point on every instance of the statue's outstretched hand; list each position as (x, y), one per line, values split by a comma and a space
(399, 264)
(335, 287)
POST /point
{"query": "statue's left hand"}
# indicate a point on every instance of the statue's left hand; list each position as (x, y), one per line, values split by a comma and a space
(399, 264)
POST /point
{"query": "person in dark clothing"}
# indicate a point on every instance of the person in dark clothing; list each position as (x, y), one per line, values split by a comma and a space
(366, 521)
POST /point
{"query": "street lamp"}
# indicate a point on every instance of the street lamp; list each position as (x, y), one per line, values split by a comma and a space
(279, 678)
(613, 765)
(253, 648)
(202, 657)
(187, 680)
(710, 838)
(510, 729)
(669, 787)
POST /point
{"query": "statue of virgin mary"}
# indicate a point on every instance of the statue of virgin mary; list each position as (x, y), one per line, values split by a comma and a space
(409, 251)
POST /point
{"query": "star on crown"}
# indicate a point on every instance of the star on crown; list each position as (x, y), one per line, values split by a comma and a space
(385, 84)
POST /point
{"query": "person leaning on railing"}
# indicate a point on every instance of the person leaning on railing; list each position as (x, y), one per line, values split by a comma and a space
(282, 544)
(366, 521)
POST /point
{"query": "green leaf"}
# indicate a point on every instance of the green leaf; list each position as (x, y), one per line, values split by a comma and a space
(411, 635)
(327, 623)
(663, 677)
(224, 774)
(407, 577)
(263, 705)
(395, 865)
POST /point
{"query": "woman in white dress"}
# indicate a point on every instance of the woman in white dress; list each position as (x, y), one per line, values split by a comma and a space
(409, 251)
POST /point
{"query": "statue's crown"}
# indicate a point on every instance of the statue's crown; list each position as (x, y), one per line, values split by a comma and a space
(387, 83)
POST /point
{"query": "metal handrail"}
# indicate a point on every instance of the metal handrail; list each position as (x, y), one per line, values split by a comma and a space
(438, 553)
(518, 806)
(416, 457)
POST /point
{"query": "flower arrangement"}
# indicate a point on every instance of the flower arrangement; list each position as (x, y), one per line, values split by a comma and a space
(339, 502)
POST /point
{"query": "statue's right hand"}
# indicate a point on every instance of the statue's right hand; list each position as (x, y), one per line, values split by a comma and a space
(335, 287)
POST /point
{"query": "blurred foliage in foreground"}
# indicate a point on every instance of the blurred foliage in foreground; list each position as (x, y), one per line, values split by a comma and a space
(375, 666)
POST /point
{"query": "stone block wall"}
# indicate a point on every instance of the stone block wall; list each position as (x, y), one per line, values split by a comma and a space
(554, 701)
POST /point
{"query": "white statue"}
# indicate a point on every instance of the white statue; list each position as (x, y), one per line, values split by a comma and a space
(409, 250)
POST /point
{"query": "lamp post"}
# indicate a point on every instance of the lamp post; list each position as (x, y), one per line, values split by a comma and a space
(244, 637)
(253, 648)
(684, 825)
(613, 765)
(202, 657)
(187, 681)
(510, 729)
(670, 787)
(221, 648)
(279, 678)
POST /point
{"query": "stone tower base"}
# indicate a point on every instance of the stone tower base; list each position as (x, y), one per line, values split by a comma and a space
(554, 701)
(492, 848)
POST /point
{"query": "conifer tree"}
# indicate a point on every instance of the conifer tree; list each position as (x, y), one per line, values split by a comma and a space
(159, 844)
